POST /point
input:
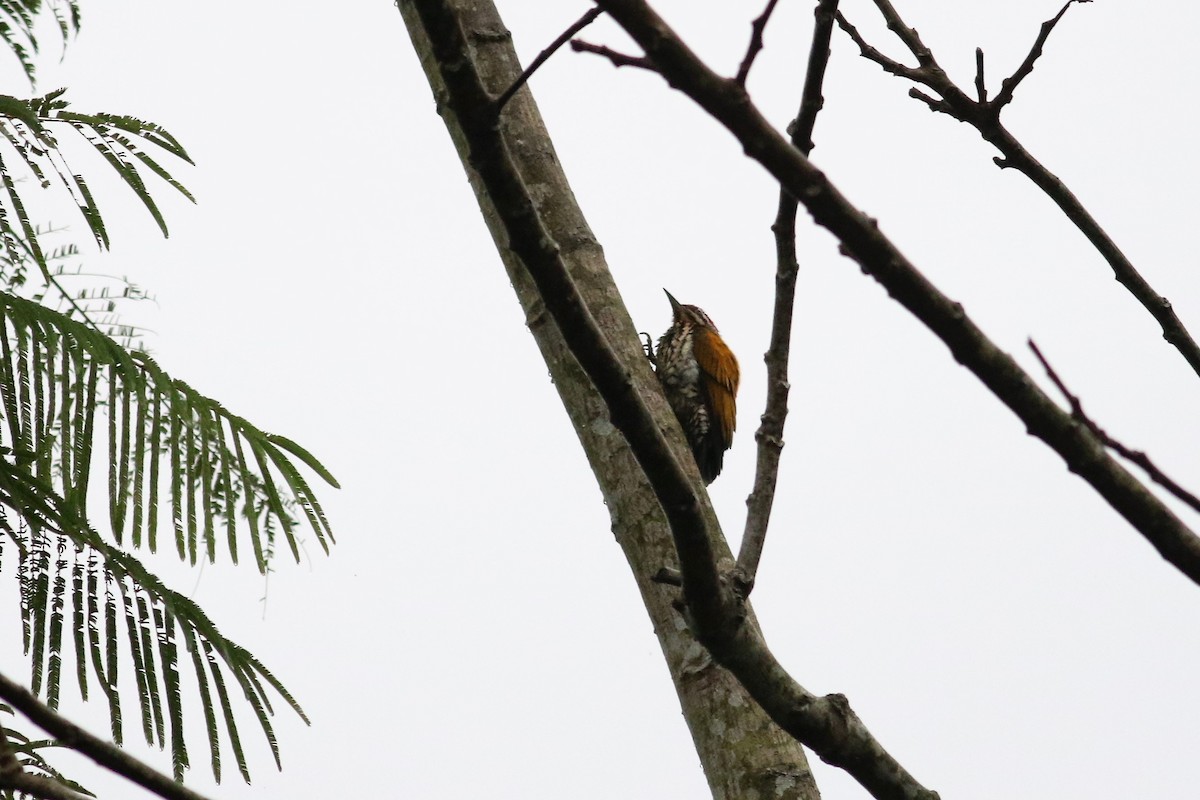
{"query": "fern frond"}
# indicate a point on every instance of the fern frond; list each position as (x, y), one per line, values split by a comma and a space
(27, 127)
(150, 414)
(56, 374)
(58, 595)
(118, 159)
(139, 665)
(18, 19)
(29, 235)
(67, 15)
(156, 619)
(200, 667)
(235, 741)
(37, 598)
(169, 658)
(105, 676)
(79, 622)
(19, 49)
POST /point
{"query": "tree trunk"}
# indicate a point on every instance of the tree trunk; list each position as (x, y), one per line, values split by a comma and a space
(745, 755)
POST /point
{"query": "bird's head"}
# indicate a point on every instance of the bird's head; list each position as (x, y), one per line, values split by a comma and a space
(692, 315)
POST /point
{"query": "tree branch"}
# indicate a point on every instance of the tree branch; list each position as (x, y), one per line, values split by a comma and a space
(1135, 456)
(984, 116)
(617, 59)
(907, 35)
(757, 27)
(811, 99)
(103, 753)
(15, 778)
(559, 273)
(871, 54)
(10, 765)
(980, 80)
(541, 256)
(41, 787)
(587, 19)
(1009, 85)
(879, 257)
(827, 725)
(770, 433)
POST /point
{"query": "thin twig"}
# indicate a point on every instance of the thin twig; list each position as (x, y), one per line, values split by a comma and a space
(984, 116)
(545, 220)
(719, 621)
(103, 753)
(770, 432)
(906, 34)
(811, 99)
(1008, 86)
(617, 59)
(675, 486)
(872, 54)
(1134, 456)
(980, 81)
(757, 27)
(879, 257)
(587, 19)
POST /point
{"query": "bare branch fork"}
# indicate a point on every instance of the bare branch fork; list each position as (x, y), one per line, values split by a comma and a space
(103, 753)
(618, 59)
(757, 27)
(824, 723)
(862, 239)
(540, 254)
(827, 723)
(1009, 85)
(770, 433)
(588, 18)
(984, 116)
(741, 651)
(1133, 456)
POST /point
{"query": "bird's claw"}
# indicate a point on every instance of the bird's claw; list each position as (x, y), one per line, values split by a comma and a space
(648, 347)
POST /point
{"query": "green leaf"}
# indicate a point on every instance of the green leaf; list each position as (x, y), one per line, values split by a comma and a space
(56, 374)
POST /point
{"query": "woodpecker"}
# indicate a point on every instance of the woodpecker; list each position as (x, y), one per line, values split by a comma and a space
(699, 376)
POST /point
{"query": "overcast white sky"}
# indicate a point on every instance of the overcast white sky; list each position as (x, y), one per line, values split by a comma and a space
(476, 632)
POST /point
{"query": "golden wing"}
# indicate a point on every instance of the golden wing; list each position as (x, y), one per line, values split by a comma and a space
(720, 380)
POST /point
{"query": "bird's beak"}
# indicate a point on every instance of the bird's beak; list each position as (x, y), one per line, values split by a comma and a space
(674, 303)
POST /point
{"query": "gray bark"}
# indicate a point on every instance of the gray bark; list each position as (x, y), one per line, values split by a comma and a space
(744, 754)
